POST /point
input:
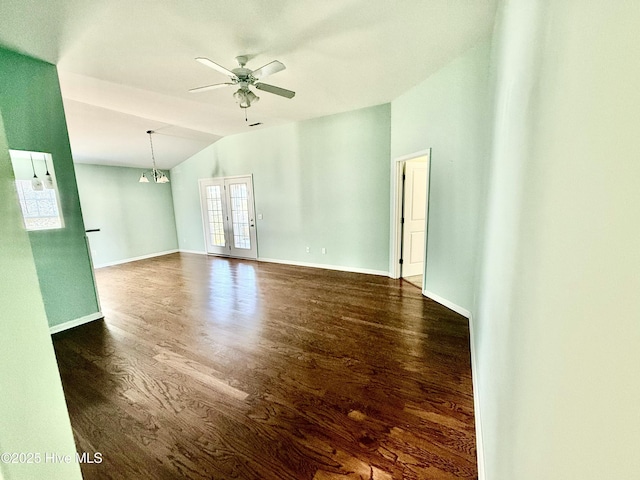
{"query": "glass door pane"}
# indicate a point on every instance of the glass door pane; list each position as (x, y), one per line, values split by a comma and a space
(212, 202)
(240, 215)
(215, 216)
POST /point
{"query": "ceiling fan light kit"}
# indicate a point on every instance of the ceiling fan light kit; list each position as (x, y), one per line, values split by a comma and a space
(245, 78)
(245, 97)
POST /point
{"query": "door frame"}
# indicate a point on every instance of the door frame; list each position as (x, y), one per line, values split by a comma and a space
(397, 193)
(203, 216)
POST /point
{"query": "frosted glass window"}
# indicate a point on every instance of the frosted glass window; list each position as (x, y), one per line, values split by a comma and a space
(216, 219)
(240, 215)
(39, 208)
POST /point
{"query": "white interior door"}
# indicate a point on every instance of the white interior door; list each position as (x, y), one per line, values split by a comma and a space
(228, 216)
(415, 216)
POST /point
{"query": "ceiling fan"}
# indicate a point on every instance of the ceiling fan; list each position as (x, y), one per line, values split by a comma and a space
(245, 78)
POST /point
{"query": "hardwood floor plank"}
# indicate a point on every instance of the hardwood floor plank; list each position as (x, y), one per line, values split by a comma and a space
(206, 376)
(225, 369)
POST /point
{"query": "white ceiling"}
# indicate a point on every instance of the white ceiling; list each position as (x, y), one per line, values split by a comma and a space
(125, 66)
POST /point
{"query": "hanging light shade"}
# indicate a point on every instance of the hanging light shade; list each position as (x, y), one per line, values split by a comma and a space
(245, 97)
(241, 98)
(48, 180)
(36, 183)
(252, 97)
(158, 175)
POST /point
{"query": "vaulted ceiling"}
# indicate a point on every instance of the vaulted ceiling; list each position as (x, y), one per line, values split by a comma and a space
(126, 66)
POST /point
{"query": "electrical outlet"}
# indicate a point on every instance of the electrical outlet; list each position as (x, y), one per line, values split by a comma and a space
(324, 251)
(308, 249)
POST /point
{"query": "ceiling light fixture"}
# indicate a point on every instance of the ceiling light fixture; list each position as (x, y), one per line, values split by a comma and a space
(36, 183)
(158, 175)
(245, 97)
(48, 180)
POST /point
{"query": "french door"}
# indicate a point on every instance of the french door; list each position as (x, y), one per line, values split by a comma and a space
(228, 215)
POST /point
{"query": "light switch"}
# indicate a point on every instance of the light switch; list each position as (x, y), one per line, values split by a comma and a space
(259, 216)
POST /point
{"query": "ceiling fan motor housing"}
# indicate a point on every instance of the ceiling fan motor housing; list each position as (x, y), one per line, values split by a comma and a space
(242, 72)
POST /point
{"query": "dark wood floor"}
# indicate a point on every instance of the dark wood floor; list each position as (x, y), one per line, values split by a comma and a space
(225, 369)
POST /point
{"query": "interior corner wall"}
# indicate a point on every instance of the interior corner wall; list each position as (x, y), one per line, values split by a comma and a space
(135, 219)
(321, 183)
(450, 113)
(34, 121)
(558, 324)
(33, 414)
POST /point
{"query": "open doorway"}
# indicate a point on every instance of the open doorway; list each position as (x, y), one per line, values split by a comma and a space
(411, 194)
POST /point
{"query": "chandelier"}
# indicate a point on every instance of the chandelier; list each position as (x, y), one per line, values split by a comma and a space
(158, 176)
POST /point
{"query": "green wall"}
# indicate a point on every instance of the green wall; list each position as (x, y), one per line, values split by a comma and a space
(135, 219)
(33, 414)
(322, 183)
(450, 113)
(34, 121)
(558, 325)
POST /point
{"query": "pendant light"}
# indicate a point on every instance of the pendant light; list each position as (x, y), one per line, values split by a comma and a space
(48, 180)
(36, 183)
(158, 175)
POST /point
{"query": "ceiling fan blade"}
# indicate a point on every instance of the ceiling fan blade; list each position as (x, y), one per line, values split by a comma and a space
(209, 87)
(208, 63)
(283, 92)
(268, 69)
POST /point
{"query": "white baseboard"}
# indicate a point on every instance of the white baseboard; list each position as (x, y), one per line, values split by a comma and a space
(135, 259)
(74, 323)
(476, 403)
(474, 377)
(450, 305)
(340, 268)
